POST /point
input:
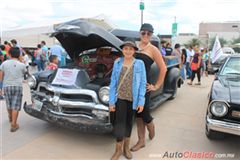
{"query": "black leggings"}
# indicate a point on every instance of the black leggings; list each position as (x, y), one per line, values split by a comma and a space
(124, 119)
(198, 71)
(145, 114)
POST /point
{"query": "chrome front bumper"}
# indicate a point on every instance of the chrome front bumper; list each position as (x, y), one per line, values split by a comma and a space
(221, 126)
(77, 122)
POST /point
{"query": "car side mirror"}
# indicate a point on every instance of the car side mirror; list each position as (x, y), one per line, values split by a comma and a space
(216, 70)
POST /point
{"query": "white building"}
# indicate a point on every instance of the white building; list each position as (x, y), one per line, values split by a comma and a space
(184, 38)
(29, 37)
(226, 30)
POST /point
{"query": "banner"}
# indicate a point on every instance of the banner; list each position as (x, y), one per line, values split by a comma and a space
(216, 51)
(174, 30)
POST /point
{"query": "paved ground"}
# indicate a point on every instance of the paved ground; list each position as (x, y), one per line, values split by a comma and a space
(179, 127)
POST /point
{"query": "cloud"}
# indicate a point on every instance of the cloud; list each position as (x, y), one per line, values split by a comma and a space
(18, 13)
(123, 13)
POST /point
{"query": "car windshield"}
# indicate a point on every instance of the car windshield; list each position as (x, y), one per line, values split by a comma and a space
(232, 67)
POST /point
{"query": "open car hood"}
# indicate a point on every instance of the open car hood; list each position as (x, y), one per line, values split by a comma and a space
(79, 35)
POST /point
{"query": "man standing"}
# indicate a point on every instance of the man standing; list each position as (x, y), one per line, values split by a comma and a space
(45, 49)
(177, 52)
(58, 51)
(15, 44)
(169, 49)
(163, 47)
(11, 74)
(190, 54)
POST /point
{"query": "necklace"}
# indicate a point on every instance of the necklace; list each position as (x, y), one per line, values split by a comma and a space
(141, 49)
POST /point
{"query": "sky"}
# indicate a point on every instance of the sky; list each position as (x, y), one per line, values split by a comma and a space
(124, 14)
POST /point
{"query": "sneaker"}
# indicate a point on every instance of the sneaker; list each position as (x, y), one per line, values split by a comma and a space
(199, 83)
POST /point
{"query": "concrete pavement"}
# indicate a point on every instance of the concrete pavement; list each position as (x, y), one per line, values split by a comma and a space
(180, 126)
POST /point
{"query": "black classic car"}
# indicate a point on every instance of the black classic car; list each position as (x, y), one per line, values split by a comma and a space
(76, 96)
(223, 113)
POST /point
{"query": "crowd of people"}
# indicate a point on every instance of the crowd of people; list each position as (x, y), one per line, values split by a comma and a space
(192, 60)
(46, 58)
(42, 56)
(14, 64)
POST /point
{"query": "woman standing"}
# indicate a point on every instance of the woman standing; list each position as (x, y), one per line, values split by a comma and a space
(127, 91)
(149, 54)
(183, 64)
(196, 66)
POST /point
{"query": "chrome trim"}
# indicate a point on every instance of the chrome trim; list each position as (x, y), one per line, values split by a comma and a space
(74, 104)
(34, 78)
(88, 92)
(70, 115)
(221, 126)
(209, 105)
(102, 88)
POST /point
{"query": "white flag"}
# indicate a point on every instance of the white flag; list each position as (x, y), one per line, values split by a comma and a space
(216, 51)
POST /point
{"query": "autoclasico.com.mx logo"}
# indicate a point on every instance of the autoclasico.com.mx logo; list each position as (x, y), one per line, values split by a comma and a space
(191, 155)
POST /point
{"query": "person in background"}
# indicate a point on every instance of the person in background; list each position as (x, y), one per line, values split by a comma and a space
(177, 52)
(26, 59)
(58, 51)
(163, 47)
(196, 65)
(126, 96)
(38, 60)
(1, 61)
(7, 48)
(190, 54)
(205, 59)
(11, 76)
(183, 64)
(203, 67)
(4, 53)
(169, 49)
(15, 44)
(53, 62)
(45, 50)
(1, 57)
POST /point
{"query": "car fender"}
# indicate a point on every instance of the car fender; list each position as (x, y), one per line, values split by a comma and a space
(172, 80)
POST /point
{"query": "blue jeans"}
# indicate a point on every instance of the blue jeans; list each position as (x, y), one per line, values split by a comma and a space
(188, 69)
(183, 72)
(40, 65)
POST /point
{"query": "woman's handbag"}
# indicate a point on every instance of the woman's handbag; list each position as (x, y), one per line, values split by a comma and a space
(194, 66)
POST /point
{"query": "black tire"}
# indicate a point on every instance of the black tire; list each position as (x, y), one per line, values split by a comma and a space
(214, 135)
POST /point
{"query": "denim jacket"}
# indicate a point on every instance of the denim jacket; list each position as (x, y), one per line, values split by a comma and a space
(138, 84)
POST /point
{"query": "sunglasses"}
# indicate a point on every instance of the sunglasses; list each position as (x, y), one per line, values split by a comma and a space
(143, 33)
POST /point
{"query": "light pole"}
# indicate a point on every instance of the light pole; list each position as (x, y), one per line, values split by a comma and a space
(141, 9)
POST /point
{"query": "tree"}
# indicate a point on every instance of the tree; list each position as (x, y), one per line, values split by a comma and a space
(194, 42)
(235, 41)
(221, 40)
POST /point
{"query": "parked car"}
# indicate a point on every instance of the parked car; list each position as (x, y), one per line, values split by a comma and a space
(223, 113)
(227, 51)
(76, 96)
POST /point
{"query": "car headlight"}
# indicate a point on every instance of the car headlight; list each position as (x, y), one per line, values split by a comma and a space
(218, 108)
(32, 82)
(104, 94)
